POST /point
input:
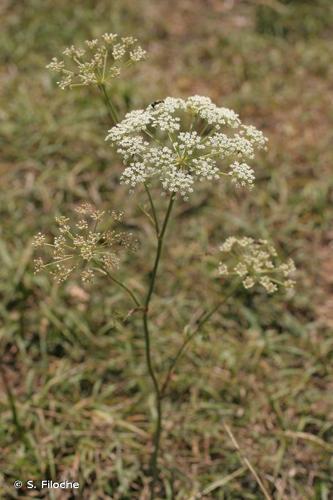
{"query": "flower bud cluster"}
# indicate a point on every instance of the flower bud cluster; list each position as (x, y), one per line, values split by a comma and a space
(83, 247)
(184, 141)
(255, 262)
(98, 63)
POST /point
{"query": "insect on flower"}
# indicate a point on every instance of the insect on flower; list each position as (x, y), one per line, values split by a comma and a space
(155, 103)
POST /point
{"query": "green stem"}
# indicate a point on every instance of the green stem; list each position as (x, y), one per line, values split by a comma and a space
(152, 206)
(201, 322)
(151, 371)
(122, 285)
(113, 115)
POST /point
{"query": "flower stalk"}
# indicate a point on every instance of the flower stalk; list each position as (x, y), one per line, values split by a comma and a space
(151, 370)
(121, 285)
(112, 112)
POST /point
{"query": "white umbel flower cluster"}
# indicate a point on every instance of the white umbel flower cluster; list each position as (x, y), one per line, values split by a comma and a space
(82, 247)
(255, 262)
(184, 141)
(101, 60)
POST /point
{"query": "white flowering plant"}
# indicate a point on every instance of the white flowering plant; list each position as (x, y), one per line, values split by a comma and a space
(173, 144)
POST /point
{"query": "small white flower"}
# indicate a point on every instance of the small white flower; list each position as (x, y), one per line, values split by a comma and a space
(118, 51)
(56, 65)
(248, 282)
(39, 240)
(255, 136)
(228, 244)
(287, 268)
(87, 276)
(268, 284)
(244, 242)
(290, 284)
(242, 175)
(241, 269)
(92, 43)
(137, 54)
(223, 269)
(109, 37)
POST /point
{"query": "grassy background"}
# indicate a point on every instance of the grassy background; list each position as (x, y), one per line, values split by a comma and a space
(264, 366)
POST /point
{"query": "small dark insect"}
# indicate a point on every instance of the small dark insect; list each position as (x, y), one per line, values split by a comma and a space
(155, 103)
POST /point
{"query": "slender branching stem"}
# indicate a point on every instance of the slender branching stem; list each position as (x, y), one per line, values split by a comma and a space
(122, 285)
(112, 112)
(151, 220)
(152, 206)
(151, 371)
(160, 233)
(126, 288)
